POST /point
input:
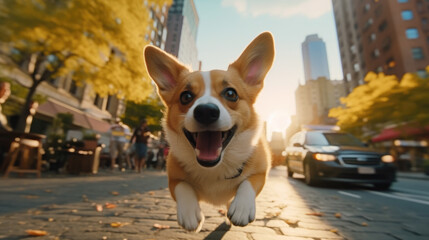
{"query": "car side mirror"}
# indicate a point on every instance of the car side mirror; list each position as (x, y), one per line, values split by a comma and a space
(297, 145)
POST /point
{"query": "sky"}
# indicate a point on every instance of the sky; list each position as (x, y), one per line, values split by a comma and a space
(226, 27)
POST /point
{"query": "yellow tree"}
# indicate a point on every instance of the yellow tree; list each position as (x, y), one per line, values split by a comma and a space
(100, 42)
(384, 100)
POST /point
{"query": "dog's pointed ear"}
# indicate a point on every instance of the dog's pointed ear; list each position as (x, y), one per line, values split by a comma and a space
(255, 61)
(164, 69)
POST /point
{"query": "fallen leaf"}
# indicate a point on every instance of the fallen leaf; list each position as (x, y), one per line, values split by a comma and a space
(291, 221)
(318, 214)
(151, 193)
(32, 232)
(222, 212)
(159, 226)
(50, 219)
(114, 193)
(99, 207)
(37, 212)
(110, 205)
(48, 190)
(334, 230)
(104, 238)
(22, 223)
(74, 211)
(338, 215)
(364, 224)
(116, 224)
(31, 196)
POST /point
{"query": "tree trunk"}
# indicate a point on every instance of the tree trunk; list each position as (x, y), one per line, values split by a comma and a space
(20, 127)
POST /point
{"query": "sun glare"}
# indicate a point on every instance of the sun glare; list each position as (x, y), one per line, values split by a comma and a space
(277, 122)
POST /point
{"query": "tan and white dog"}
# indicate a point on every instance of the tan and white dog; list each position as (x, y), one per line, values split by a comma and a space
(218, 152)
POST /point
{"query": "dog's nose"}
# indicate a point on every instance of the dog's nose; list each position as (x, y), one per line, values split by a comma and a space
(206, 113)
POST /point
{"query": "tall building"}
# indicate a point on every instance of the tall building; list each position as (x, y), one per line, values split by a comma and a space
(315, 98)
(158, 34)
(315, 58)
(182, 25)
(382, 36)
(350, 47)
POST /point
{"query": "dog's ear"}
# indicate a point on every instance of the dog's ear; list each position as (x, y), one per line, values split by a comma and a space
(255, 61)
(164, 69)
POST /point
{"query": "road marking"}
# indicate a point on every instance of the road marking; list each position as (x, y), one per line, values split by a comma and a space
(349, 194)
(411, 195)
(409, 190)
(399, 197)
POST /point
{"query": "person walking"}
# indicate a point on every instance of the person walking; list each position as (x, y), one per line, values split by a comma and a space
(119, 134)
(141, 136)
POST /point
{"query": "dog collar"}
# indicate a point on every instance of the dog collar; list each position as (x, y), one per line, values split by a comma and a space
(239, 171)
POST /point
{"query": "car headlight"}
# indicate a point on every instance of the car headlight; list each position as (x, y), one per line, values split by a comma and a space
(324, 157)
(387, 158)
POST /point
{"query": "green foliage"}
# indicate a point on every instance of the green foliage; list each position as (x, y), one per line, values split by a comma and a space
(384, 100)
(151, 109)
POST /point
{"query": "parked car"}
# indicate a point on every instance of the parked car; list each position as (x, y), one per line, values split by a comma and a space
(325, 155)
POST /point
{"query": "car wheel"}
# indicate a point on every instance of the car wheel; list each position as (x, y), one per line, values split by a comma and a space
(309, 175)
(382, 186)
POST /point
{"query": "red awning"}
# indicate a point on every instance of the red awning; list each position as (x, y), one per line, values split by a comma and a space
(98, 125)
(401, 132)
(51, 108)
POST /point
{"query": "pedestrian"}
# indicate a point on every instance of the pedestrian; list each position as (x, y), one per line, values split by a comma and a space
(140, 136)
(119, 134)
(4, 95)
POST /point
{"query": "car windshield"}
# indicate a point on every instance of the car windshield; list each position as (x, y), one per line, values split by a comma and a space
(332, 139)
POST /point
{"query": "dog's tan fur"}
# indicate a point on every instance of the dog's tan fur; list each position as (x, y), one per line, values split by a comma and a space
(248, 148)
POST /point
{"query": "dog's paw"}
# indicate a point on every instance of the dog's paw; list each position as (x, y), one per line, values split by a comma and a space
(242, 209)
(189, 214)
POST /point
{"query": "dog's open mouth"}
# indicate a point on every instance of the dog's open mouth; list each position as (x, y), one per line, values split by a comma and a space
(209, 145)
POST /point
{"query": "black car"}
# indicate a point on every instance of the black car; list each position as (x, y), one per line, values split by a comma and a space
(325, 155)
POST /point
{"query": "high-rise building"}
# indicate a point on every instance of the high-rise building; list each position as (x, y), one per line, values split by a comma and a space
(382, 36)
(158, 34)
(315, 98)
(182, 25)
(315, 58)
(350, 47)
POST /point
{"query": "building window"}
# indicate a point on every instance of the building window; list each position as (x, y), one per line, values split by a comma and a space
(422, 73)
(375, 53)
(402, 1)
(372, 37)
(367, 7)
(382, 26)
(412, 33)
(407, 15)
(417, 53)
(356, 67)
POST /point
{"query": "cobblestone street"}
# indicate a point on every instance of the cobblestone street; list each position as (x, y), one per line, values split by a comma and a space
(132, 206)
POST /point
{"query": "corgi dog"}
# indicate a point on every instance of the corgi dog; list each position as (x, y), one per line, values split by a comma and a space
(218, 151)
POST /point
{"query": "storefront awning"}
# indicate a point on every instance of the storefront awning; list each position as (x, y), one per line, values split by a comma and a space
(390, 134)
(51, 108)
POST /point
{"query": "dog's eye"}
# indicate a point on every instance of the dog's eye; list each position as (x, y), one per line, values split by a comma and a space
(186, 97)
(230, 94)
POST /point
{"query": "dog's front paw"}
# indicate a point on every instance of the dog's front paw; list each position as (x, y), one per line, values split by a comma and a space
(242, 209)
(189, 214)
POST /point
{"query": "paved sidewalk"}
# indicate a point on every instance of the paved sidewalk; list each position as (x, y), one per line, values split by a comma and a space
(66, 209)
(138, 206)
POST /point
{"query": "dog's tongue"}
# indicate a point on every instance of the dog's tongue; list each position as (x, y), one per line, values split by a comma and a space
(209, 145)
